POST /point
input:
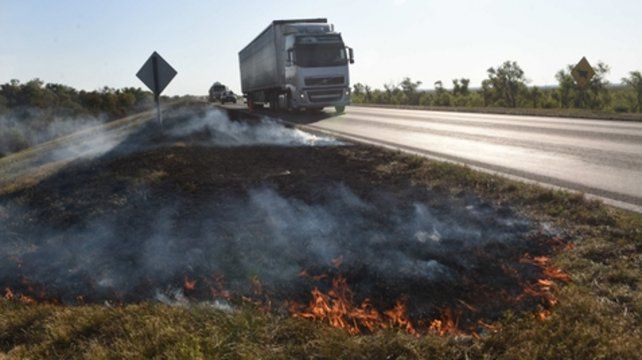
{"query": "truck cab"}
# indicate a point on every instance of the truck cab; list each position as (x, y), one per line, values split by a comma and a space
(316, 67)
(228, 96)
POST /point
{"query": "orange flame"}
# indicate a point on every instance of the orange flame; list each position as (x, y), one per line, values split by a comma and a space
(189, 285)
(304, 273)
(446, 325)
(336, 308)
(27, 299)
(544, 287)
(398, 317)
(489, 327)
(8, 294)
(557, 274)
(544, 315)
(217, 288)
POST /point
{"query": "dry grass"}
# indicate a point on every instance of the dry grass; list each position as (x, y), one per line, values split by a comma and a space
(568, 113)
(599, 315)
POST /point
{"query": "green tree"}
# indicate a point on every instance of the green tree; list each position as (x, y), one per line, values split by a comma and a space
(535, 96)
(368, 93)
(596, 96)
(486, 93)
(598, 91)
(426, 98)
(358, 89)
(566, 88)
(508, 83)
(456, 86)
(442, 98)
(358, 93)
(460, 87)
(634, 83)
(465, 84)
(410, 88)
(362, 93)
(391, 89)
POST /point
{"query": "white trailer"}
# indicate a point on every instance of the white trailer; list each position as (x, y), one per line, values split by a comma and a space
(297, 64)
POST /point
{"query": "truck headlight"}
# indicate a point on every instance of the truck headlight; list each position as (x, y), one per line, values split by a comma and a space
(302, 96)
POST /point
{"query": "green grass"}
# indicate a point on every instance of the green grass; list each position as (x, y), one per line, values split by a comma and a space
(599, 315)
(570, 113)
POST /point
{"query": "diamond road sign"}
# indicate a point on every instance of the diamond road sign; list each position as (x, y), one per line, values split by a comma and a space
(156, 73)
(583, 73)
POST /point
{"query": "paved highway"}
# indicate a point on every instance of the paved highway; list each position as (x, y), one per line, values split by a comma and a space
(600, 158)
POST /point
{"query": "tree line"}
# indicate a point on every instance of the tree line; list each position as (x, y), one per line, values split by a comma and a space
(58, 99)
(506, 86)
(35, 112)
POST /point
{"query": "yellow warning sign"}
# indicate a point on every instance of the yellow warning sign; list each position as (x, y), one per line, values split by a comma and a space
(583, 73)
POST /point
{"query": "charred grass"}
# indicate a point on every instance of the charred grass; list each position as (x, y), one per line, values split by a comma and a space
(599, 314)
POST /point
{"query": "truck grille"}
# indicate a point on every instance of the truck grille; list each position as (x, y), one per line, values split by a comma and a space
(336, 80)
(325, 95)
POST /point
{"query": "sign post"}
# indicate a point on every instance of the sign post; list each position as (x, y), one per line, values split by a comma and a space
(583, 73)
(156, 74)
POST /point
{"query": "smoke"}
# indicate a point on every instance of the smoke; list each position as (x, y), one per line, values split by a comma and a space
(156, 239)
(94, 142)
(26, 128)
(147, 251)
(87, 137)
(222, 131)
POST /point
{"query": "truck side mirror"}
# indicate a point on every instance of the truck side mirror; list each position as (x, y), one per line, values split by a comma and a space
(351, 55)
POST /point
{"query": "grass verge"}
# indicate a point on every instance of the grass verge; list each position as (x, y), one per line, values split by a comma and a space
(566, 113)
(598, 316)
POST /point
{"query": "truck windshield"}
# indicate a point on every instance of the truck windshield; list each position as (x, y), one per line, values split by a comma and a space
(317, 55)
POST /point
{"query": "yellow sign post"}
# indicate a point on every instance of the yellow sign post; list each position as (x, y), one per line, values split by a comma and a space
(583, 73)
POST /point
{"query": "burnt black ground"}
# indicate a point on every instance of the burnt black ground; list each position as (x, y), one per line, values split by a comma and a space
(138, 220)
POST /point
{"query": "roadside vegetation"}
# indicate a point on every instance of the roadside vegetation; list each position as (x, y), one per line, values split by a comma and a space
(506, 87)
(598, 313)
(35, 112)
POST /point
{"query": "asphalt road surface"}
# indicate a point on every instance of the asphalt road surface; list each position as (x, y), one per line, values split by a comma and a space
(600, 158)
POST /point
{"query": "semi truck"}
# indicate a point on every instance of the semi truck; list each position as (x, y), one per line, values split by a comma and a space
(299, 64)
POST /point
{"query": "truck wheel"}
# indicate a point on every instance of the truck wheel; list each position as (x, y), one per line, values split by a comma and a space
(288, 102)
(340, 109)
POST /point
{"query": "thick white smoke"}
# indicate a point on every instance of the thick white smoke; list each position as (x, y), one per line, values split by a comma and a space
(33, 126)
(87, 137)
(145, 251)
(225, 132)
(145, 247)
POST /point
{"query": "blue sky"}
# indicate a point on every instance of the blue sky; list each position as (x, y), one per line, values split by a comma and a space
(89, 44)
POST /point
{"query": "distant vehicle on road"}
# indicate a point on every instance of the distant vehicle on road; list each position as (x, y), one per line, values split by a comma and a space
(297, 64)
(228, 96)
(216, 91)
